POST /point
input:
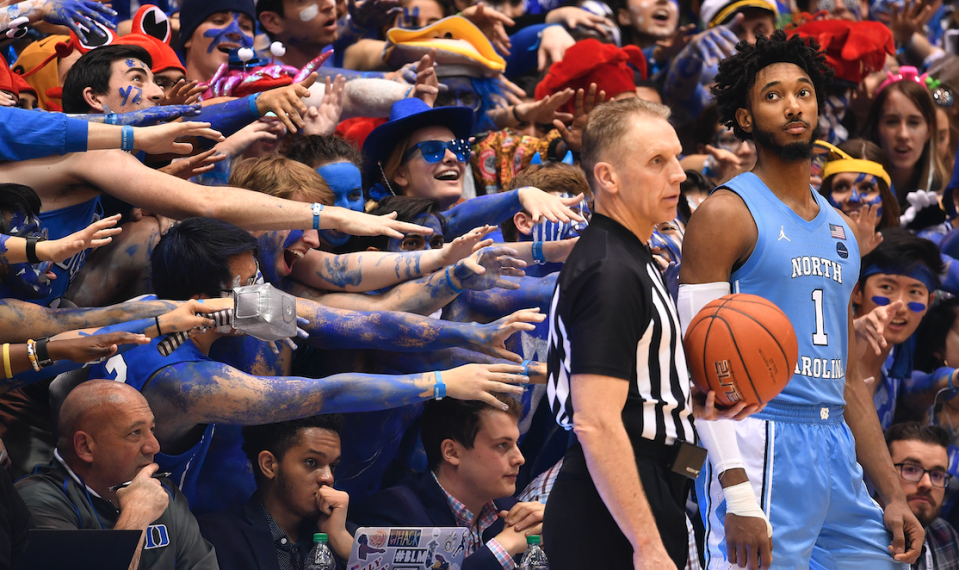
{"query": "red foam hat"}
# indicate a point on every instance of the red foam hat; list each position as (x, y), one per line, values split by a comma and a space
(612, 69)
(8, 78)
(852, 49)
(162, 55)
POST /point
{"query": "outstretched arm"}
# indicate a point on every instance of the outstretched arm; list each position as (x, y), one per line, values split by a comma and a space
(373, 270)
(494, 209)
(20, 320)
(220, 393)
(122, 176)
(479, 272)
(332, 329)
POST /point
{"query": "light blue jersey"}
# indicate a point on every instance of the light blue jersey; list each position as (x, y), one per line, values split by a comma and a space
(808, 269)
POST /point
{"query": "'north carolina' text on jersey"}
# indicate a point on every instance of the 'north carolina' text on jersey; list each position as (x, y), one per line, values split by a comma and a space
(808, 269)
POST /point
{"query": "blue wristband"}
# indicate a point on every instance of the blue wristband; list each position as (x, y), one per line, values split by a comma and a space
(317, 208)
(538, 253)
(439, 389)
(449, 281)
(126, 138)
(525, 366)
(253, 109)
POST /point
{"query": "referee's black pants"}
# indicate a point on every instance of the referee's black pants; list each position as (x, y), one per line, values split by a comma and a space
(579, 533)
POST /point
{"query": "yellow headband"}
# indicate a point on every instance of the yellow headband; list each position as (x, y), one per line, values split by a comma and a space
(855, 165)
(736, 6)
(849, 164)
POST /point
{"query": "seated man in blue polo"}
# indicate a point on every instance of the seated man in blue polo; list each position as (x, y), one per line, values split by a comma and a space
(473, 459)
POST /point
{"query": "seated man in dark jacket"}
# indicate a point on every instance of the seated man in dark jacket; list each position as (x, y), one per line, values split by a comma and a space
(106, 440)
(471, 448)
(293, 464)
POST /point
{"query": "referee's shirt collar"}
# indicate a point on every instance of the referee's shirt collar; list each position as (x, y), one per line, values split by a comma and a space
(612, 226)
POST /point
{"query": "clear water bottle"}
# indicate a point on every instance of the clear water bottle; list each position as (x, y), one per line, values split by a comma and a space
(534, 558)
(321, 557)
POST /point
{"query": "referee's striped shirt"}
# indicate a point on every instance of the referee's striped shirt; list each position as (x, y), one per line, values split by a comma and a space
(611, 315)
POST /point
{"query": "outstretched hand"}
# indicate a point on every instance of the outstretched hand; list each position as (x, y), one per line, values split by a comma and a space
(546, 110)
(466, 244)
(867, 236)
(426, 86)
(584, 103)
(83, 349)
(187, 168)
(185, 92)
(493, 25)
(322, 120)
(542, 204)
(481, 381)
(97, 234)
(161, 139)
(76, 13)
(361, 224)
(485, 269)
(491, 339)
(287, 102)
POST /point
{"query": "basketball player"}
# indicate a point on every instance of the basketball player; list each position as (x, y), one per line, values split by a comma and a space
(794, 464)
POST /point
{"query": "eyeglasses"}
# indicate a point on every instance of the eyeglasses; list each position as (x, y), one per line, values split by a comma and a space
(914, 473)
(434, 151)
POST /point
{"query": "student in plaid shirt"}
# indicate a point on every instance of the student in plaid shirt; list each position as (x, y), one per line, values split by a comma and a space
(919, 454)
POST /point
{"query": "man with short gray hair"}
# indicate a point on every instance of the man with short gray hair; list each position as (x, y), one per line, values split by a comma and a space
(103, 477)
(615, 344)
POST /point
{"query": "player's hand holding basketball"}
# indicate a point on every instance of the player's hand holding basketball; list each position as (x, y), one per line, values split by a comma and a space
(907, 534)
(704, 407)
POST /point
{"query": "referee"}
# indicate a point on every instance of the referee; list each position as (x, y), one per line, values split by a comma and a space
(615, 345)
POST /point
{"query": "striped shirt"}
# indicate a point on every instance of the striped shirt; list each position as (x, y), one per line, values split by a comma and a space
(612, 316)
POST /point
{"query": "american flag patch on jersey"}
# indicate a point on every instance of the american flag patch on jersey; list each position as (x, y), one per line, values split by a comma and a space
(837, 232)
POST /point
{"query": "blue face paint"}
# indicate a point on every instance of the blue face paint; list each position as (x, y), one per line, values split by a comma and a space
(25, 280)
(125, 93)
(130, 63)
(413, 242)
(881, 301)
(295, 236)
(916, 307)
(346, 182)
(221, 35)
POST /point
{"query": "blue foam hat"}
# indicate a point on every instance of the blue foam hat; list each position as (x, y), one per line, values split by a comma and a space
(406, 117)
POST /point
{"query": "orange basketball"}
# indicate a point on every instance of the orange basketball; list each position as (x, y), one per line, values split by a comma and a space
(743, 347)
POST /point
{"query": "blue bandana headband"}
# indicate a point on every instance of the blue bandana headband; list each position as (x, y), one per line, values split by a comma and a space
(920, 273)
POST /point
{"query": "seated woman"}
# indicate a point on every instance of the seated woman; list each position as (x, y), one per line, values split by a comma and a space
(425, 153)
(856, 183)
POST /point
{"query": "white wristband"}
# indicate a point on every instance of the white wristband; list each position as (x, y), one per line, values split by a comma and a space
(741, 502)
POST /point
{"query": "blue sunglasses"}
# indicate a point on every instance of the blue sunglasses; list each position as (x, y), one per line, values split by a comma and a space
(434, 151)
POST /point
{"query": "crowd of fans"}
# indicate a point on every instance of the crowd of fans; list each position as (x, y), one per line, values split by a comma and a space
(408, 172)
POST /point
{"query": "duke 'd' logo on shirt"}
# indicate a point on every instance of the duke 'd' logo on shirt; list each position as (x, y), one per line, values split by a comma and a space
(157, 536)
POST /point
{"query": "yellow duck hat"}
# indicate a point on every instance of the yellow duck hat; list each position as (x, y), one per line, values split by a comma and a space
(458, 43)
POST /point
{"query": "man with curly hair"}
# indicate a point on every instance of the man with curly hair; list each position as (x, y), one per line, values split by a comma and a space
(790, 475)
